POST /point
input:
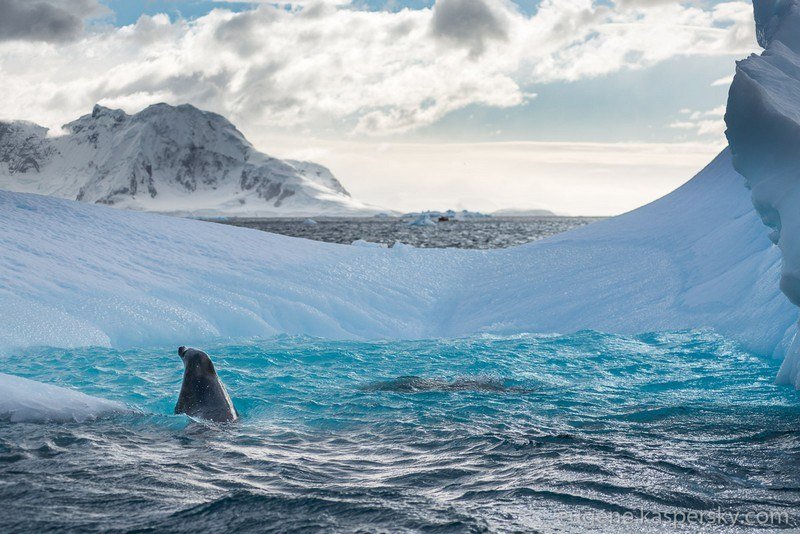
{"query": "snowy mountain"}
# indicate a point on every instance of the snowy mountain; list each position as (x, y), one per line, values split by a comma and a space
(169, 159)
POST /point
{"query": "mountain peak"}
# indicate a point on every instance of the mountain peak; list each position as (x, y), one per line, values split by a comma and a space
(186, 110)
(166, 158)
(101, 111)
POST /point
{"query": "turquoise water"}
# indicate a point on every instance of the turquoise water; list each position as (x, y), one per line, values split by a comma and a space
(480, 434)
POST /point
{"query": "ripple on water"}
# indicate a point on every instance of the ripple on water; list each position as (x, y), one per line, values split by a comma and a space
(486, 433)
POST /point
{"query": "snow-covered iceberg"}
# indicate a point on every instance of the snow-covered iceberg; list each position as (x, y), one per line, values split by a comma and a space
(24, 400)
(763, 118)
(73, 274)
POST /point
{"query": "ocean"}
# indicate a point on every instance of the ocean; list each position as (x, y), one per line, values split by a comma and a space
(477, 233)
(588, 432)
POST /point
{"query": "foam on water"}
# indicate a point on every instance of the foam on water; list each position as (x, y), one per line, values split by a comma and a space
(486, 432)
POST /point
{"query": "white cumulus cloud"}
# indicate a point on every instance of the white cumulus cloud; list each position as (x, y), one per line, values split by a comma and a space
(338, 70)
(709, 123)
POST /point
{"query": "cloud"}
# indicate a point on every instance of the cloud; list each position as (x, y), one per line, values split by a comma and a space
(336, 71)
(725, 81)
(709, 123)
(469, 23)
(579, 39)
(51, 21)
(641, 3)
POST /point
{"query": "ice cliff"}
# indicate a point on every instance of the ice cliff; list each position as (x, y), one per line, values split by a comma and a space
(165, 158)
(763, 118)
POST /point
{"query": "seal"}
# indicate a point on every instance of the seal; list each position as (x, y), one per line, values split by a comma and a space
(203, 394)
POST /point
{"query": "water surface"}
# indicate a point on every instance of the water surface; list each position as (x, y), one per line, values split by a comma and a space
(465, 435)
(478, 233)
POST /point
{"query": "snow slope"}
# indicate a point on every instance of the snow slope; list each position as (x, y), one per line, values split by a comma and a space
(26, 400)
(74, 274)
(167, 159)
(763, 119)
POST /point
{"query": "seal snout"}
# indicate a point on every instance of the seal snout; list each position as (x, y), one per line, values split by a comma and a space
(181, 351)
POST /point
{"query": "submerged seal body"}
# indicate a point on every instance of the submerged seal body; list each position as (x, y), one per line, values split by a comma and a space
(416, 384)
(202, 394)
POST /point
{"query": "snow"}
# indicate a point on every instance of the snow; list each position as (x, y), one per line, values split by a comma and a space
(169, 159)
(74, 274)
(24, 400)
(763, 119)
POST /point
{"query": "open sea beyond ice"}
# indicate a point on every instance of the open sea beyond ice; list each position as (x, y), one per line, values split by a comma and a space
(576, 433)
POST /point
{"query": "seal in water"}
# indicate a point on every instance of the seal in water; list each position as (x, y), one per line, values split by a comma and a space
(202, 394)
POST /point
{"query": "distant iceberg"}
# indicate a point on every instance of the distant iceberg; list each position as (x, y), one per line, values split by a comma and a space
(462, 215)
(422, 220)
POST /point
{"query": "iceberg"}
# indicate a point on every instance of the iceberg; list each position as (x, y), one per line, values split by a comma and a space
(763, 119)
(26, 400)
(422, 220)
(74, 274)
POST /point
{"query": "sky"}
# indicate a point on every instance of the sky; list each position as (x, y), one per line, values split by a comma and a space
(583, 107)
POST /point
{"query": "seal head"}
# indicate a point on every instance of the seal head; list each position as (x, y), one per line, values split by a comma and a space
(203, 394)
